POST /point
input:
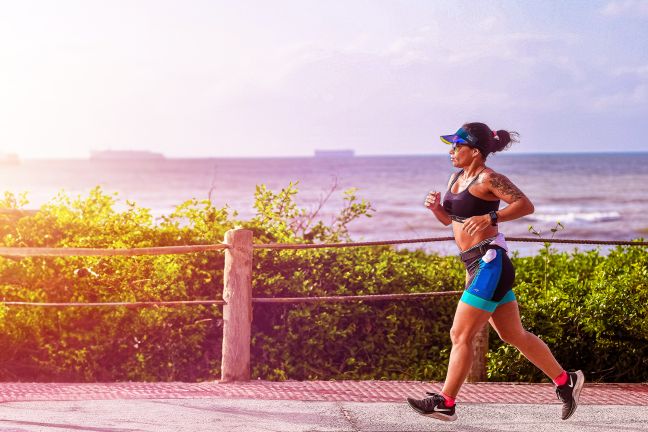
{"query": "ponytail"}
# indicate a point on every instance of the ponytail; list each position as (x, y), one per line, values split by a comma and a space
(491, 141)
(502, 140)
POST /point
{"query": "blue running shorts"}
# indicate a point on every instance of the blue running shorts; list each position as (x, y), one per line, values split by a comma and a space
(489, 284)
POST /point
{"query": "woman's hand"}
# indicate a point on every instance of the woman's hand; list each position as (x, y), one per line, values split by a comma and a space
(475, 224)
(433, 200)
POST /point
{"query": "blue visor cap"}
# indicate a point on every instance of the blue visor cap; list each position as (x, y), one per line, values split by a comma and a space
(462, 136)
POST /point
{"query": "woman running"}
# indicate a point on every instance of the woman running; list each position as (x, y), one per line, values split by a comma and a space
(471, 205)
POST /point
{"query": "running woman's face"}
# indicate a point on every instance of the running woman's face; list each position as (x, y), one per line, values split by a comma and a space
(461, 155)
(457, 153)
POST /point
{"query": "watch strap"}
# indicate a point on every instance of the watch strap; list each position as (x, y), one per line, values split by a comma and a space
(493, 216)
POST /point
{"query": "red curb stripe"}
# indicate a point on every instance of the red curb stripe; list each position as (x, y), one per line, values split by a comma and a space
(326, 391)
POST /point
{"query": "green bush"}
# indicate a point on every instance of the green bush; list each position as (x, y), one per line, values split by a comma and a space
(592, 311)
(374, 340)
(101, 343)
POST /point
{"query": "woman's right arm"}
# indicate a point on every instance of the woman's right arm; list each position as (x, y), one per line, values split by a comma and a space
(433, 202)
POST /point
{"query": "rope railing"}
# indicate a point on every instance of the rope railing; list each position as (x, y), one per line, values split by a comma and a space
(580, 241)
(347, 244)
(346, 298)
(17, 212)
(438, 239)
(24, 252)
(113, 304)
(292, 300)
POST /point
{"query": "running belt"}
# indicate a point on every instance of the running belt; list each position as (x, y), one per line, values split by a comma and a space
(477, 250)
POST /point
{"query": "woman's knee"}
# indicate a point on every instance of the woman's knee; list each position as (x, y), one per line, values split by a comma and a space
(460, 336)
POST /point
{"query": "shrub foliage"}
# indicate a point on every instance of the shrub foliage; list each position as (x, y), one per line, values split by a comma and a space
(592, 311)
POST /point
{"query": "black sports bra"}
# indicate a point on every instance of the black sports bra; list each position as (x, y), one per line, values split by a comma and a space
(463, 205)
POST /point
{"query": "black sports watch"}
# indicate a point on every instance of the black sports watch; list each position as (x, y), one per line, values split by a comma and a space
(493, 216)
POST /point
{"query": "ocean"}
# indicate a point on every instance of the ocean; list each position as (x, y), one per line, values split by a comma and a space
(595, 196)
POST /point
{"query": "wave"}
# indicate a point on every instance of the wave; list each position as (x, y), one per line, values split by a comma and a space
(586, 217)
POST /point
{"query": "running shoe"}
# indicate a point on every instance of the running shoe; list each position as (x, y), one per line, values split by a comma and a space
(570, 392)
(433, 406)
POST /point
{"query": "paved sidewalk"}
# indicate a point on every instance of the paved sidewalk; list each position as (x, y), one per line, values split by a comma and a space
(310, 406)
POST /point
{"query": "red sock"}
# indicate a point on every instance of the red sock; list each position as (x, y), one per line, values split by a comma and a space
(449, 401)
(561, 379)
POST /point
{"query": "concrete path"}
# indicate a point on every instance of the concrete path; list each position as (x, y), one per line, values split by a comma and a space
(309, 406)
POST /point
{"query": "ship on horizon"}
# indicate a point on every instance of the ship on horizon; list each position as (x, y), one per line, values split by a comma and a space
(124, 155)
(334, 153)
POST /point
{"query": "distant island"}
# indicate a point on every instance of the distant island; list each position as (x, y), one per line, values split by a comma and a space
(124, 154)
(334, 153)
(9, 159)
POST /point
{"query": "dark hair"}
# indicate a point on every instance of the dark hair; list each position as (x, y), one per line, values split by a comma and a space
(487, 142)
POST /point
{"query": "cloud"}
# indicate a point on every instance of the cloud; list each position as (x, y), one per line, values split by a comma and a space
(626, 8)
(407, 50)
(635, 71)
(637, 96)
(631, 90)
(388, 100)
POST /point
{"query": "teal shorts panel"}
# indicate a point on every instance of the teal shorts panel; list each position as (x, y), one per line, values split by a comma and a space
(486, 305)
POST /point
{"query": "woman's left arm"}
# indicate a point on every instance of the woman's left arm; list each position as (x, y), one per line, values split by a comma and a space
(500, 186)
(503, 188)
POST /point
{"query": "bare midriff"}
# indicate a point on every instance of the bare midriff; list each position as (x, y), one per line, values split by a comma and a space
(466, 241)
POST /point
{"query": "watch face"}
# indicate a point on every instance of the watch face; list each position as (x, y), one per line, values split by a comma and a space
(493, 217)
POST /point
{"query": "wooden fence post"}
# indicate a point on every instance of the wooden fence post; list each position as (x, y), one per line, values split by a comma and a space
(480, 350)
(237, 311)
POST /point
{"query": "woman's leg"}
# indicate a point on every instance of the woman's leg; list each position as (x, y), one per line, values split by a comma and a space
(506, 321)
(468, 320)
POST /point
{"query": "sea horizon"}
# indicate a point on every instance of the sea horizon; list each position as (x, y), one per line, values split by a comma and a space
(356, 155)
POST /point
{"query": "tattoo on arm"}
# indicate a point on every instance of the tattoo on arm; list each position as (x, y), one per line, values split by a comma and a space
(504, 186)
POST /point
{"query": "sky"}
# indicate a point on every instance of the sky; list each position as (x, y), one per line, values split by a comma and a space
(280, 78)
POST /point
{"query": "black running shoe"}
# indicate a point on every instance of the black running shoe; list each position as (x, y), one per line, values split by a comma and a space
(570, 392)
(433, 406)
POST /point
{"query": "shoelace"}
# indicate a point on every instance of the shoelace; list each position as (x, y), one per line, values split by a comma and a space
(432, 400)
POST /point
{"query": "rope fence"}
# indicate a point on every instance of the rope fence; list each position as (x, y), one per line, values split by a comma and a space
(262, 300)
(113, 304)
(368, 297)
(439, 239)
(25, 252)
